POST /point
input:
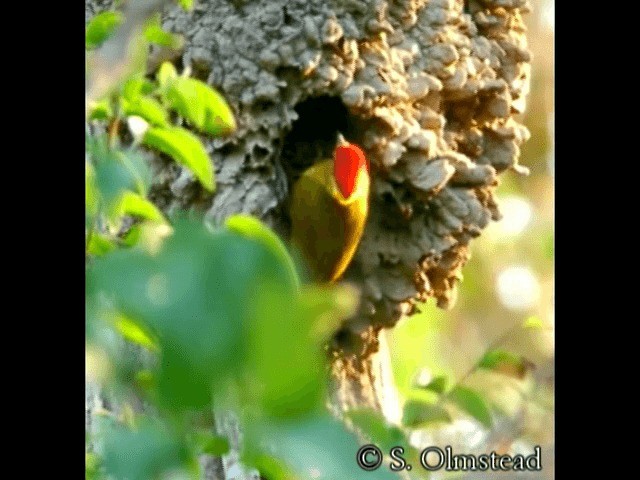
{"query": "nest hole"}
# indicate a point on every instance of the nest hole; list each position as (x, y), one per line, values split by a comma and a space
(313, 137)
(314, 134)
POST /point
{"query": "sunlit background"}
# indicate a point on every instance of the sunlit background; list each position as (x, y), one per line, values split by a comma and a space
(505, 299)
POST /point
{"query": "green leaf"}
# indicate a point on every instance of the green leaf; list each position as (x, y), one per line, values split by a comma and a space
(147, 452)
(185, 148)
(437, 384)
(91, 198)
(308, 448)
(137, 206)
(186, 4)
(145, 380)
(251, 227)
(472, 403)
(100, 244)
(211, 444)
(132, 236)
(148, 108)
(504, 362)
(304, 319)
(201, 105)
(101, 27)
(166, 75)
(138, 169)
(133, 332)
(112, 179)
(197, 293)
(533, 322)
(154, 33)
(135, 87)
(328, 306)
(418, 413)
(289, 376)
(272, 468)
(100, 110)
(91, 466)
(376, 428)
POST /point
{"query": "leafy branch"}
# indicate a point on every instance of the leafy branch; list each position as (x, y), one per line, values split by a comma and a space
(420, 413)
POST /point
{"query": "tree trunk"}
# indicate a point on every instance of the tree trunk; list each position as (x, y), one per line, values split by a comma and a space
(429, 89)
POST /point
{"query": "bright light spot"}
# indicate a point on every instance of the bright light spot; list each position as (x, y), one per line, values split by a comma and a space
(470, 433)
(521, 447)
(314, 473)
(518, 288)
(97, 365)
(158, 289)
(391, 405)
(516, 215)
(463, 434)
(424, 377)
(234, 471)
(548, 14)
(152, 236)
(138, 126)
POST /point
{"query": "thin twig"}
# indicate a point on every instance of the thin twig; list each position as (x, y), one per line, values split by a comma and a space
(502, 338)
(499, 340)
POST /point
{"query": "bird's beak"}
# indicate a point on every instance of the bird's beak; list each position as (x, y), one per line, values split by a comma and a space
(342, 142)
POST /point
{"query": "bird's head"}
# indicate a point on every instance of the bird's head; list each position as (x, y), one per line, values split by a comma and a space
(350, 167)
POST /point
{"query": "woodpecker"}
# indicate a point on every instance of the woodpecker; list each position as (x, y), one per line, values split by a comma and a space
(329, 207)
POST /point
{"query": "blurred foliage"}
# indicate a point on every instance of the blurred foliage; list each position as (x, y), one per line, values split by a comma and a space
(212, 309)
(314, 447)
(101, 27)
(181, 317)
(154, 33)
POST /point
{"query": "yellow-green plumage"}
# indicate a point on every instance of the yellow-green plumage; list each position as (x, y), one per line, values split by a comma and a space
(326, 227)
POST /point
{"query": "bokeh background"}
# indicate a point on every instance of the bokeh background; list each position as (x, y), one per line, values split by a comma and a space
(508, 282)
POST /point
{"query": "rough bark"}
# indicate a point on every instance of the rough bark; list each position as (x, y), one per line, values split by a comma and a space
(429, 88)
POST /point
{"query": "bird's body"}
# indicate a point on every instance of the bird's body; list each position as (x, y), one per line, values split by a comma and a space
(327, 225)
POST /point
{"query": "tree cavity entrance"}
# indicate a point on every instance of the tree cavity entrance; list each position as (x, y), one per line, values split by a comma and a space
(313, 135)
